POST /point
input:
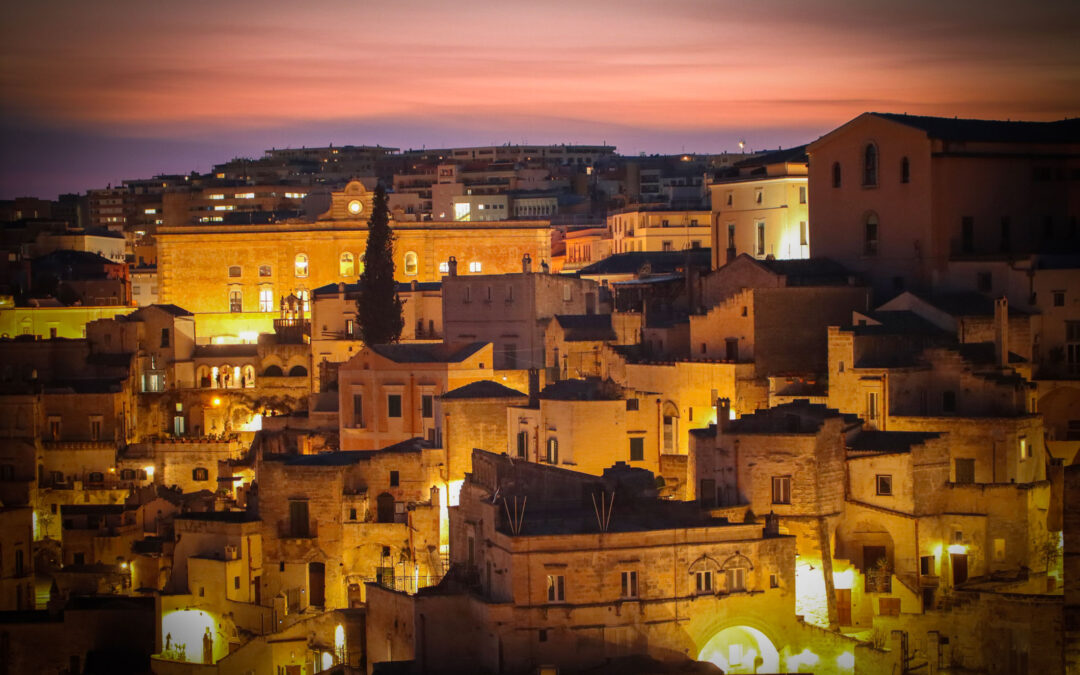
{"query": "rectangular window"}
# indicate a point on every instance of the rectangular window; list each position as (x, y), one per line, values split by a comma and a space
(358, 411)
(760, 247)
(967, 234)
(54, 428)
(522, 443)
(802, 194)
(567, 293)
(781, 490)
(629, 584)
(731, 235)
(164, 337)
(999, 550)
(236, 303)
(298, 518)
(704, 582)
(393, 405)
(95, 427)
(266, 299)
(395, 479)
(884, 485)
(1059, 298)
(350, 328)
(556, 589)
(926, 565)
(804, 235)
(871, 241)
(475, 267)
(667, 246)
(236, 583)
(872, 406)
(637, 449)
(1006, 234)
(632, 404)
(427, 406)
(965, 471)
(1025, 449)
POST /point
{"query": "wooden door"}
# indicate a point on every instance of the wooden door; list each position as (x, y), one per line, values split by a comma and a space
(843, 606)
(316, 584)
(959, 568)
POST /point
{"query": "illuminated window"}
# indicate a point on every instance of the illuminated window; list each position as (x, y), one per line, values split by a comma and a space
(266, 299)
(553, 450)
(836, 175)
(629, 584)
(870, 242)
(870, 162)
(556, 588)
(200, 474)
(264, 270)
(234, 271)
(236, 303)
(305, 299)
(884, 485)
(300, 266)
(215, 197)
(244, 195)
(760, 244)
(802, 194)
(346, 266)
(444, 268)
(475, 267)
(225, 207)
(411, 263)
(1025, 449)
(781, 490)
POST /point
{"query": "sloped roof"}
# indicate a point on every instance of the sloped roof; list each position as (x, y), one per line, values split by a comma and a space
(797, 417)
(347, 457)
(955, 129)
(889, 441)
(660, 262)
(482, 389)
(795, 154)
(586, 327)
(809, 271)
(428, 353)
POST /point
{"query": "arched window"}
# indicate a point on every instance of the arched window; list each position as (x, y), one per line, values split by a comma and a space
(836, 175)
(411, 263)
(264, 270)
(671, 427)
(234, 271)
(553, 450)
(249, 376)
(346, 266)
(298, 371)
(870, 244)
(905, 170)
(300, 267)
(870, 162)
(273, 371)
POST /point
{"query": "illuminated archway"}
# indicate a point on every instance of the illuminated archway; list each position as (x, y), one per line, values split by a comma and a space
(741, 649)
(184, 635)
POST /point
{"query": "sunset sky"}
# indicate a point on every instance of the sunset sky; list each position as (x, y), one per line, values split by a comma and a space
(93, 92)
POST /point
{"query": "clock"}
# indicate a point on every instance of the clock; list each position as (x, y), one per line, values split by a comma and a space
(356, 206)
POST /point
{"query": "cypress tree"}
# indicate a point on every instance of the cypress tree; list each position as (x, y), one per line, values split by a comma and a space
(378, 307)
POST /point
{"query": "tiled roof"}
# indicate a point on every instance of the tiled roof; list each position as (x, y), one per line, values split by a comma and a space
(428, 353)
(954, 129)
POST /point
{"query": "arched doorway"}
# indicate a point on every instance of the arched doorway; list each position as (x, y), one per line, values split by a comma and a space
(741, 649)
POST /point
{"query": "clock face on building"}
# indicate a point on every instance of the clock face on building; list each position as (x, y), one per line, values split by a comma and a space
(356, 206)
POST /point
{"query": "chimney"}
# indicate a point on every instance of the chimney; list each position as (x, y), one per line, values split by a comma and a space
(414, 285)
(723, 414)
(1001, 331)
(526, 263)
(452, 265)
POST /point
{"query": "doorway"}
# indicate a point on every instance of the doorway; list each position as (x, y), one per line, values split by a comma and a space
(843, 606)
(317, 584)
(959, 568)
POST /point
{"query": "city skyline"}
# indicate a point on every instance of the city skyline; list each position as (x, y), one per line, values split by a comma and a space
(172, 89)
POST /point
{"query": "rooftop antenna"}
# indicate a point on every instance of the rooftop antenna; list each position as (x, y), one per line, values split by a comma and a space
(517, 517)
(603, 511)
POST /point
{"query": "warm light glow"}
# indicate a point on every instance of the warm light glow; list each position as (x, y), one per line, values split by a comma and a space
(846, 661)
(804, 658)
(811, 598)
(124, 565)
(736, 649)
(455, 491)
(254, 424)
(216, 402)
(957, 549)
(249, 336)
(844, 578)
(327, 660)
(186, 629)
(149, 469)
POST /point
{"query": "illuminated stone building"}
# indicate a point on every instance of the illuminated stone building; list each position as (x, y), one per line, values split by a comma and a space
(564, 584)
(901, 198)
(638, 229)
(510, 310)
(762, 211)
(237, 289)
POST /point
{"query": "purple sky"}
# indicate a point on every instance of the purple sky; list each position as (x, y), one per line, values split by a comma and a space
(95, 92)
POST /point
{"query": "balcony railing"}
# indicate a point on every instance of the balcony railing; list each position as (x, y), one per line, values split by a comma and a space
(404, 583)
